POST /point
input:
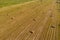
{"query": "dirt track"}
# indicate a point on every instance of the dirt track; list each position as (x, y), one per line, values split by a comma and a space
(32, 24)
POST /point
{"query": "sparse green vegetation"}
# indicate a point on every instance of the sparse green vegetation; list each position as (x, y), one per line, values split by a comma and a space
(11, 2)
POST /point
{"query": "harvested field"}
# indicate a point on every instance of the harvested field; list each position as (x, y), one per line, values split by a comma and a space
(33, 20)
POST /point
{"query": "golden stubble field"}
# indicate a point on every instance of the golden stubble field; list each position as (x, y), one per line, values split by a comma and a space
(33, 20)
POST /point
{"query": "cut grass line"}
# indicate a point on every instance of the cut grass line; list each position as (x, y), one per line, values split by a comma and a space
(39, 33)
(31, 27)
